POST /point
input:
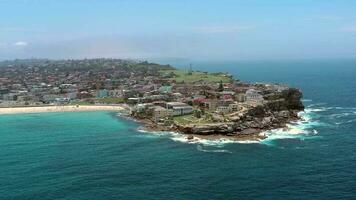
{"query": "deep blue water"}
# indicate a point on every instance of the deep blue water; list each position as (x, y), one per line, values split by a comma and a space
(97, 155)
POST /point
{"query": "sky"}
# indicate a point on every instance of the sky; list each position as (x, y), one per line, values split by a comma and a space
(187, 29)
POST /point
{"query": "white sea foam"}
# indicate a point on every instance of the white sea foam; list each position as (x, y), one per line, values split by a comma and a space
(315, 104)
(211, 142)
(302, 129)
(177, 137)
(341, 115)
(200, 148)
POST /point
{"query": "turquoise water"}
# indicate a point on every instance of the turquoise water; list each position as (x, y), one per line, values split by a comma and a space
(98, 155)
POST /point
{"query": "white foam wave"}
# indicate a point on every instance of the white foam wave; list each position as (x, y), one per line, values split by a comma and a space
(177, 137)
(302, 129)
(351, 121)
(211, 142)
(200, 148)
(341, 115)
(343, 108)
(315, 104)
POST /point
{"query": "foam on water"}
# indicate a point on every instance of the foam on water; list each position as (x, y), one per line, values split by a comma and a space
(302, 129)
(200, 148)
(216, 143)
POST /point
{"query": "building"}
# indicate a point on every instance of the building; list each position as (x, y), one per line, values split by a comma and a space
(211, 104)
(254, 96)
(240, 97)
(228, 109)
(179, 108)
(222, 109)
(165, 89)
(160, 113)
(102, 93)
(234, 107)
(62, 100)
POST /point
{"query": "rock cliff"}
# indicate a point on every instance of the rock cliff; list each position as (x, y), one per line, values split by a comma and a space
(275, 112)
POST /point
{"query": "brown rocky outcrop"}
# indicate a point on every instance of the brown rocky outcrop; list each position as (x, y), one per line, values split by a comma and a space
(276, 112)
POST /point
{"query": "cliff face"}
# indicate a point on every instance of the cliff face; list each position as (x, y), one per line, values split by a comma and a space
(279, 109)
(287, 100)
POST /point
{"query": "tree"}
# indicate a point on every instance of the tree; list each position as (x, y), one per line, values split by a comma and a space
(221, 86)
(197, 113)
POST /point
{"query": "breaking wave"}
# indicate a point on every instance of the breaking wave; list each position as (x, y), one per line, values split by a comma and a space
(177, 137)
(200, 148)
(306, 128)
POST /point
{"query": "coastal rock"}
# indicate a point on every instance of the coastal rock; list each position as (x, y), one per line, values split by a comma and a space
(206, 129)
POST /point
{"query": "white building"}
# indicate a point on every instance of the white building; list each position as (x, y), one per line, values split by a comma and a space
(179, 108)
(254, 96)
(222, 109)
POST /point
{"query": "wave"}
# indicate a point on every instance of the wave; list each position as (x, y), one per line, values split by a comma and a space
(351, 121)
(315, 104)
(302, 129)
(211, 142)
(178, 137)
(343, 108)
(341, 115)
(321, 109)
(200, 148)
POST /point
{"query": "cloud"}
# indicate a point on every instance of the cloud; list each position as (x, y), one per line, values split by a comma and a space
(350, 29)
(222, 29)
(331, 18)
(20, 44)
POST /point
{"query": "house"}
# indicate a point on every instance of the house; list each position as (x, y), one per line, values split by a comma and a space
(254, 96)
(160, 113)
(10, 97)
(211, 104)
(240, 97)
(102, 93)
(62, 100)
(50, 98)
(234, 107)
(222, 109)
(72, 95)
(165, 89)
(134, 100)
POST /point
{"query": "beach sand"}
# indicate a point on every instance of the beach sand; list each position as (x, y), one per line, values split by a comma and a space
(43, 109)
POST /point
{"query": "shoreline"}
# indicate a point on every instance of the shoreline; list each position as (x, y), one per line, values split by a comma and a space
(147, 126)
(251, 135)
(48, 109)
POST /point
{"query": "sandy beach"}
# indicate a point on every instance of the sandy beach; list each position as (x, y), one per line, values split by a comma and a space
(43, 109)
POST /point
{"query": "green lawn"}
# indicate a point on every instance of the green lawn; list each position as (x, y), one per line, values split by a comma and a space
(181, 76)
(81, 103)
(111, 100)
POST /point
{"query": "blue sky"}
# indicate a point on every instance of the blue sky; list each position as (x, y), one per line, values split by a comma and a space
(200, 29)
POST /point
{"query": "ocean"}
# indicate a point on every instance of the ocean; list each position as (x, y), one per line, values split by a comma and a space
(99, 155)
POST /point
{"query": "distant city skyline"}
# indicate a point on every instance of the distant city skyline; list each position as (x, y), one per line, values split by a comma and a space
(225, 29)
